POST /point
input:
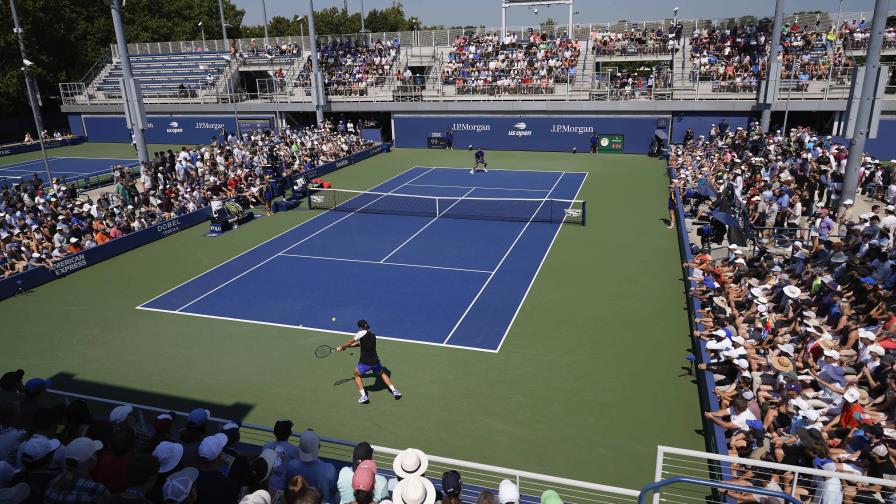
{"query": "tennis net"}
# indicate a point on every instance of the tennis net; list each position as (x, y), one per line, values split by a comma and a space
(503, 209)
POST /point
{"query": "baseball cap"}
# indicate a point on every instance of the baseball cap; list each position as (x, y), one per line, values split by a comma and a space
(37, 384)
(37, 448)
(81, 449)
(851, 395)
(451, 483)
(880, 450)
(832, 354)
(364, 476)
(269, 456)
(257, 497)
(178, 486)
(508, 492)
(309, 446)
(163, 422)
(120, 414)
(210, 447)
(198, 416)
(169, 455)
(794, 387)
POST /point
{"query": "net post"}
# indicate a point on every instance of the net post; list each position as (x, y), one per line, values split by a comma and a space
(584, 213)
(309, 200)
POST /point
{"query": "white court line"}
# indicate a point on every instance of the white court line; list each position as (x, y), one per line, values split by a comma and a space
(532, 282)
(499, 169)
(288, 326)
(427, 224)
(474, 187)
(385, 263)
(303, 240)
(489, 279)
(255, 247)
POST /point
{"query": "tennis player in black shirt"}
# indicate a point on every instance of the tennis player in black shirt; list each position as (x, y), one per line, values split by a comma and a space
(368, 361)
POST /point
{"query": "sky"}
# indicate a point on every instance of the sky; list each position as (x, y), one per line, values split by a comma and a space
(488, 12)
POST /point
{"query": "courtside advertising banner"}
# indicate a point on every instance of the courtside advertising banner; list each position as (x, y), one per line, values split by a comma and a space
(526, 132)
(169, 129)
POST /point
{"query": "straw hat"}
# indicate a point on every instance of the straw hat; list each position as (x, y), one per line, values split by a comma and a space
(782, 364)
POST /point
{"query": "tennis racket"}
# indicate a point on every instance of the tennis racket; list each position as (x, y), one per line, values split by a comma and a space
(323, 351)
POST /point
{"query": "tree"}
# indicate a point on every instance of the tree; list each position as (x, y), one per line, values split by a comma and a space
(65, 38)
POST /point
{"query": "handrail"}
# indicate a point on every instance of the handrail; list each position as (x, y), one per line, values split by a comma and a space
(642, 499)
(462, 464)
(776, 466)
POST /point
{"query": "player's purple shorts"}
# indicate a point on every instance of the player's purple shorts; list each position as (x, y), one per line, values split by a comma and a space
(364, 368)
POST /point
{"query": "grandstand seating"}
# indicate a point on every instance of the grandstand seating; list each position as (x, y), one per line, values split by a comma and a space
(174, 74)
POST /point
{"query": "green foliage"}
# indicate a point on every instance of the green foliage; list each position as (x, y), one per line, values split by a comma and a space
(336, 21)
(66, 37)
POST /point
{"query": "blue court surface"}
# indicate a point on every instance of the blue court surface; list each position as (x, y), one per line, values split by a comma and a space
(68, 167)
(428, 279)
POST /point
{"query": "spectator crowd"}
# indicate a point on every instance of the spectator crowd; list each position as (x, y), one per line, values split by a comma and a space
(55, 453)
(351, 68)
(486, 64)
(738, 57)
(801, 338)
(41, 223)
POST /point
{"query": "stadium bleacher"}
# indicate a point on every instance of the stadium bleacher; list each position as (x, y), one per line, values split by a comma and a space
(166, 75)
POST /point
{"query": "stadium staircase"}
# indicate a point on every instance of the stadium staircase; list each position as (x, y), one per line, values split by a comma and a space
(160, 75)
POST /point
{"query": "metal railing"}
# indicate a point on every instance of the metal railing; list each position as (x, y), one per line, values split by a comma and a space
(794, 480)
(475, 475)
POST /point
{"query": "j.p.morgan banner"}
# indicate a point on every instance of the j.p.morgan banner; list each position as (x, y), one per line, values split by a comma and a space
(525, 132)
(170, 129)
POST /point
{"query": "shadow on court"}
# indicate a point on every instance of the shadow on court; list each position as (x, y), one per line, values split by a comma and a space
(68, 382)
(378, 383)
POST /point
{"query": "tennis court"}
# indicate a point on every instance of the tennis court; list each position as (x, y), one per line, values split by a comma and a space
(68, 167)
(433, 255)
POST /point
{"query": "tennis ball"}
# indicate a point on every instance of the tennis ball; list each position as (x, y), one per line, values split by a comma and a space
(333, 319)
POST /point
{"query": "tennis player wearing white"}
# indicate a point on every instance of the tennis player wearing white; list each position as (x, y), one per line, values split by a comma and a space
(368, 361)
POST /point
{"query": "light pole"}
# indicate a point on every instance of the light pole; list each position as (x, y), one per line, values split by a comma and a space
(131, 94)
(264, 13)
(866, 101)
(231, 61)
(363, 30)
(298, 19)
(674, 24)
(223, 25)
(202, 29)
(30, 86)
(317, 93)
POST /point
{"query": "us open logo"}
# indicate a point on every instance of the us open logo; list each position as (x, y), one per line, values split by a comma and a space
(573, 212)
(174, 127)
(317, 199)
(519, 130)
